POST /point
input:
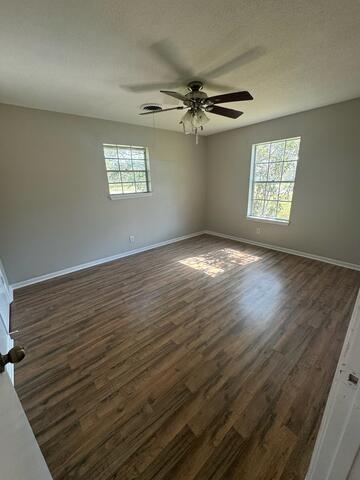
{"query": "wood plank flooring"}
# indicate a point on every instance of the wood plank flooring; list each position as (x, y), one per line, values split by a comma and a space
(205, 359)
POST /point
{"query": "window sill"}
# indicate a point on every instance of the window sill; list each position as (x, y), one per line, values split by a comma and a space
(269, 220)
(124, 196)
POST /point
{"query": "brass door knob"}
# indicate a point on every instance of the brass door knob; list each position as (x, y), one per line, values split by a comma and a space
(15, 355)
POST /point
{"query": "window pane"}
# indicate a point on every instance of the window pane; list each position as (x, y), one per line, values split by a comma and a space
(128, 187)
(292, 149)
(112, 164)
(138, 153)
(140, 177)
(110, 151)
(124, 152)
(114, 177)
(259, 190)
(289, 171)
(283, 212)
(261, 172)
(272, 191)
(277, 151)
(139, 164)
(273, 175)
(262, 153)
(275, 170)
(127, 169)
(270, 209)
(127, 177)
(286, 191)
(257, 208)
(125, 164)
(141, 187)
(115, 188)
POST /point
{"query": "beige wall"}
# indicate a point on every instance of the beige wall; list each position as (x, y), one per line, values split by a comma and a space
(54, 206)
(355, 469)
(325, 217)
(55, 211)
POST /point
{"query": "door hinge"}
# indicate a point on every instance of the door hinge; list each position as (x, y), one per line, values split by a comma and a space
(352, 378)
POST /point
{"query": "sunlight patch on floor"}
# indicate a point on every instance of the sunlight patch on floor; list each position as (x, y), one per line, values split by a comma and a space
(219, 261)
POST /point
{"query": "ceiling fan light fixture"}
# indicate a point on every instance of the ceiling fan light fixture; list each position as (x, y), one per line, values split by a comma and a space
(186, 122)
(200, 119)
(192, 120)
(198, 103)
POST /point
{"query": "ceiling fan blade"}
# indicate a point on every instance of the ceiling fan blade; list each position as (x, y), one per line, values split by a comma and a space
(169, 55)
(231, 97)
(166, 52)
(225, 112)
(217, 87)
(162, 110)
(150, 87)
(246, 57)
(174, 94)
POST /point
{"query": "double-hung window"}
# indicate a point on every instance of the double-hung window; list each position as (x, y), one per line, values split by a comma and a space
(127, 169)
(272, 179)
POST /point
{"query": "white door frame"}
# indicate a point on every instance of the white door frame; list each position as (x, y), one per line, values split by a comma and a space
(338, 440)
(6, 298)
(20, 455)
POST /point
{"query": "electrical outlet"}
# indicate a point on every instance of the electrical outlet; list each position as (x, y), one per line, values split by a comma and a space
(258, 230)
(131, 238)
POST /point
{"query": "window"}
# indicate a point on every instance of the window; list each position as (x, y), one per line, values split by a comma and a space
(127, 170)
(272, 178)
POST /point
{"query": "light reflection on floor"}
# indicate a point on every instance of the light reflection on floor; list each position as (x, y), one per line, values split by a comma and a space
(219, 261)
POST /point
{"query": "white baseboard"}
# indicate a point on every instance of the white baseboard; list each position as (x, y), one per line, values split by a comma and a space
(65, 271)
(333, 261)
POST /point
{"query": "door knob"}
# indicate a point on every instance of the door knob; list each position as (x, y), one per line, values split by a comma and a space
(15, 355)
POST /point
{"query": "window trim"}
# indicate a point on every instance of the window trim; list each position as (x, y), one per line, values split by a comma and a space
(122, 196)
(268, 220)
(274, 221)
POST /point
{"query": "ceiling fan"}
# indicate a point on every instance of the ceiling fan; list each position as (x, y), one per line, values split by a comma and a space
(197, 103)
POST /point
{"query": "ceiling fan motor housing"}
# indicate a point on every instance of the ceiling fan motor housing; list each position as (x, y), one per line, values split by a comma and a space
(195, 98)
(197, 103)
(195, 85)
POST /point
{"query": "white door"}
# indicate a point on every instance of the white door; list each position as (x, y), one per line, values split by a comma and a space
(336, 454)
(20, 455)
(5, 299)
(355, 469)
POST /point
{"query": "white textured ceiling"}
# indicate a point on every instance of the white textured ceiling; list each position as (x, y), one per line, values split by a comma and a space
(74, 56)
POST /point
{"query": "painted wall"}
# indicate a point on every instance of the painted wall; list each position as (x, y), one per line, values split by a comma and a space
(54, 207)
(325, 217)
(355, 470)
(55, 211)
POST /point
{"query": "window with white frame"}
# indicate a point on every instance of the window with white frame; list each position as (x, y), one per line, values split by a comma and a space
(272, 179)
(127, 169)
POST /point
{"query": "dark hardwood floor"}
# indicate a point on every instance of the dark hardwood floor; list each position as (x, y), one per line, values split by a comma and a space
(205, 359)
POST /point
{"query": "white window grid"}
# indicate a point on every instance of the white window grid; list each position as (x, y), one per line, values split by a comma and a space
(267, 182)
(139, 187)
